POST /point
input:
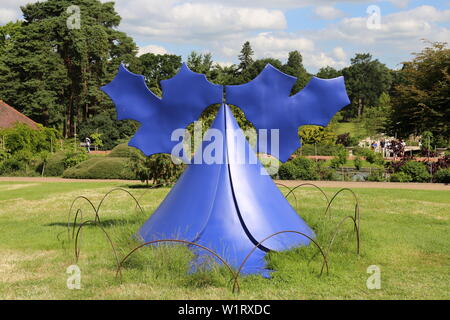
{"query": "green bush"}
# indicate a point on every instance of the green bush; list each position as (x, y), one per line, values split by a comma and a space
(416, 170)
(23, 148)
(55, 164)
(340, 158)
(19, 163)
(11, 165)
(376, 175)
(324, 172)
(122, 151)
(23, 138)
(4, 155)
(358, 163)
(72, 158)
(347, 140)
(371, 156)
(400, 177)
(101, 168)
(298, 169)
(442, 176)
(158, 168)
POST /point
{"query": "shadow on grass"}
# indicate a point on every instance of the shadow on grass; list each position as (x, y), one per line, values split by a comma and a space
(105, 223)
(144, 186)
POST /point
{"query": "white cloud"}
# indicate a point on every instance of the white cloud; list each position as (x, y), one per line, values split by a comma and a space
(278, 45)
(10, 10)
(202, 17)
(194, 21)
(151, 49)
(339, 53)
(398, 28)
(7, 15)
(328, 12)
(400, 3)
(292, 4)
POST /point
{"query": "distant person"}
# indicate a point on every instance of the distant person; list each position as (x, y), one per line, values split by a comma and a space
(88, 144)
(382, 145)
(388, 149)
(403, 147)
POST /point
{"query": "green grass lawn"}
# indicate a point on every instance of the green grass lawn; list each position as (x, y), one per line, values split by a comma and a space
(354, 128)
(406, 233)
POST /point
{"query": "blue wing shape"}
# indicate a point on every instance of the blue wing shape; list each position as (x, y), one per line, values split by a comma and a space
(266, 103)
(185, 96)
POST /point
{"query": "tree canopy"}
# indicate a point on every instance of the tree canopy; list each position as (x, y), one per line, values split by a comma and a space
(53, 74)
(421, 98)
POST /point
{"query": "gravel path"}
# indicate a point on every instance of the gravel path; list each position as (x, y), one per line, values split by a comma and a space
(289, 183)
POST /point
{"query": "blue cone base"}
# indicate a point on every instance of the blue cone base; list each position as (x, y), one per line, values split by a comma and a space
(228, 207)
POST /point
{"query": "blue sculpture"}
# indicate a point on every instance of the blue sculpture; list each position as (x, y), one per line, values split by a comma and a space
(227, 206)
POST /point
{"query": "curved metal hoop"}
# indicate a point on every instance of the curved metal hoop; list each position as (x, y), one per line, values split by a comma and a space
(289, 192)
(119, 189)
(273, 235)
(337, 231)
(337, 193)
(119, 268)
(308, 184)
(96, 209)
(235, 275)
(356, 221)
(357, 216)
(76, 214)
(97, 224)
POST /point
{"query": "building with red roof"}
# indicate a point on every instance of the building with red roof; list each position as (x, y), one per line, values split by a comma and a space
(10, 116)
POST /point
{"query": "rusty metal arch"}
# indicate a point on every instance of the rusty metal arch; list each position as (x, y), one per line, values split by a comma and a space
(97, 224)
(96, 209)
(76, 215)
(357, 216)
(308, 184)
(287, 194)
(337, 231)
(119, 189)
(119, 268)
(273, 235)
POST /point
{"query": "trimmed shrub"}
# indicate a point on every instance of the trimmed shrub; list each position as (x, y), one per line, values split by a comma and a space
(122, 151)
(442, 176)
(55, 164)
(400, 177)
(416, 170)
(101, 168)
(298, 169)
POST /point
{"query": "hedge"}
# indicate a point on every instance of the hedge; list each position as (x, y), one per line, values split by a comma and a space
(55, 165)
(122, 151)
(101, 168)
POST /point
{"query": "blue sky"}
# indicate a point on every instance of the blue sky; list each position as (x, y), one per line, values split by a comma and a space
(326, 32)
